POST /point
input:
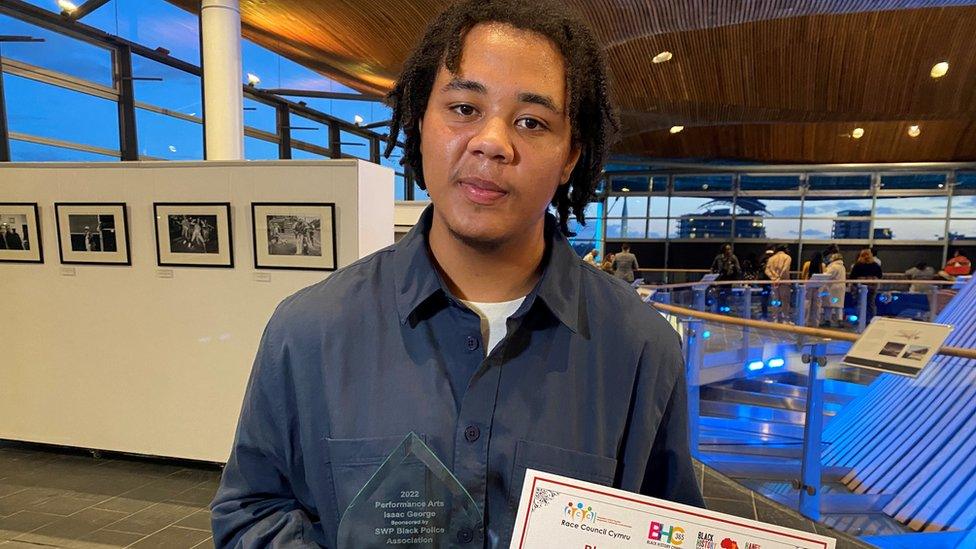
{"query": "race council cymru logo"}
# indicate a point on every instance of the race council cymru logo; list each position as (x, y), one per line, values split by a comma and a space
(665, 536)
(580, 511)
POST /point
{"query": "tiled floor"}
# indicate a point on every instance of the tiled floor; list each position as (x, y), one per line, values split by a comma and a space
(70, 499)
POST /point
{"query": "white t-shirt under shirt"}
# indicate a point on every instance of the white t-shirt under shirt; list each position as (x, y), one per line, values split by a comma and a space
(493, 320)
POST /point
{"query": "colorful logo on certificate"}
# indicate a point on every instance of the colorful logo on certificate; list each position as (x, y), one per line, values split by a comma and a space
(728, 543)
(580, 511)
(666, 535)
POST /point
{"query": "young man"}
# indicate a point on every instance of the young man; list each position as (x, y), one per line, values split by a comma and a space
(481, 331)
(625, 264)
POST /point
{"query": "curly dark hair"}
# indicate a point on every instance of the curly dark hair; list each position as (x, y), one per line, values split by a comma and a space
(593, 118)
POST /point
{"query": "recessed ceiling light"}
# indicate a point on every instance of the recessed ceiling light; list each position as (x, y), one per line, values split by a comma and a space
(676, 129)
(939, 69)
(662, 57)
(914, 131)
(252, 79)
(66, 6)
(857, 133)
(625, 189)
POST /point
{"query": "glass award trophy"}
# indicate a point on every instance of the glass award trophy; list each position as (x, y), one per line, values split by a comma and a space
(412, 501)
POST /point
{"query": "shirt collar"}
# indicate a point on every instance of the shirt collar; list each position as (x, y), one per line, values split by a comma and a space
(559, 288)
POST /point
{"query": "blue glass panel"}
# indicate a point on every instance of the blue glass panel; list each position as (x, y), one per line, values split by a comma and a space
(58, 53)
(354, 145)
(45, 110)
(179, 91)
(259, 149)
(168, 138)
(769, 182)
(840, 182)
(927, 181)
(23, 151)
(703, 183)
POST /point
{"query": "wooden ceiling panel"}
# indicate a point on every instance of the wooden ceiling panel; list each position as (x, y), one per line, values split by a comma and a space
(750, 79)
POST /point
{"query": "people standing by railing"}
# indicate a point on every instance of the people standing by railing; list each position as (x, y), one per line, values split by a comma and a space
(624, 264)
(726, 266)
(812, 302)
(767, 289)
(833, 292)
(592, 256)
(867, 269)
(778, 271)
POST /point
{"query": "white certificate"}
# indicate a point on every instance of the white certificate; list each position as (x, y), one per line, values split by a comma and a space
(558, 511)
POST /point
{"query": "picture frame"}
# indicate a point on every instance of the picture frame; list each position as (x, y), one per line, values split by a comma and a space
(20, 233)
(93, 233)
(193, 234)
(289, 235)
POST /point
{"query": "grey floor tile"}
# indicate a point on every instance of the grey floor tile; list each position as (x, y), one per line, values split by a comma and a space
(172, 537)
(19, 545)
(60, 532)
(731, 507)
(199, 496)
(108, 538)
(68, 504)
(124, 504)
(773, 513)
(718, 486)
(10, 489)
(199, 520)
(153, 518)
(27, 498)
(23, 522)
(205, 544)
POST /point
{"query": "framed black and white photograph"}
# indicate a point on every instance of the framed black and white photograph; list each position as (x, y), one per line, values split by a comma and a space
(193, 234)
(93, 233)
(294, 236)
(20, 233)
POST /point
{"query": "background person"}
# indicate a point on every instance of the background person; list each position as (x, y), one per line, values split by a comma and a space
(866, 268)
(778, 272)
(591, 257)
(833, 294)
(625, 264)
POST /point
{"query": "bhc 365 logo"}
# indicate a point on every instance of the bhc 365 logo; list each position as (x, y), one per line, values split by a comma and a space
(672, 535)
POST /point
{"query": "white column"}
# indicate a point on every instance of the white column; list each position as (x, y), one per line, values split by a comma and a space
(220, 26)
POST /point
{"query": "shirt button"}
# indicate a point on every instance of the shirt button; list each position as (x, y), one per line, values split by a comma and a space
(472, 433)
(472, 343)
(465, 535)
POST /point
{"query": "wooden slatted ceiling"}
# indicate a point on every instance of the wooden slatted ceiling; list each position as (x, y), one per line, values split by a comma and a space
(751, 79)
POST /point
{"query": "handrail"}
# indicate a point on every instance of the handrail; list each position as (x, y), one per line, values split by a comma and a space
(867, 282)
(788, 328)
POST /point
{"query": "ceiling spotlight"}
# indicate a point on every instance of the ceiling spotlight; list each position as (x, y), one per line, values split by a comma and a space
(676, 129)
(939, 69)
(358, 120)
(857, 133)
(625, 189)
(662, 57)
(914, 131)
(253, 80)
(67, 7)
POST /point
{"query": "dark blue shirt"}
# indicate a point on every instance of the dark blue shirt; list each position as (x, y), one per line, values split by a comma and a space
(347, 367)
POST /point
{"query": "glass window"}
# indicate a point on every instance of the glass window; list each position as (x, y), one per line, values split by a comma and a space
(963, 206)
(840, 182)
(418, 193)
(399, 187)
(657, 228)
(836, 207)
(769, 182)
(706, 225)
(765, 227)
(965, 183)
(152, 23)
(684, 205)
(179, 91)
(703, 183)
(167, 137)
(911, 206)
(309, 131)
(927, 181)
(299, 154)
(626, 228)
(630, 183)
(627, 206)
(259, 149)
(259, 115)
(58, 52)
(584, 232)
(962, 229)
(822, 229)
(770, 207)
(354, 145)
(45, 110)
(913, 229)
(24, 151)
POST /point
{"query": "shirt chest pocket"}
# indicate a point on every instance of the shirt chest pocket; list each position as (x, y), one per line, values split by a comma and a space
(560, 461)
(355, 460)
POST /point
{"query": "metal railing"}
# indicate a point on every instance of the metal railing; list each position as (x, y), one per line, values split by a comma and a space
(721, 347)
